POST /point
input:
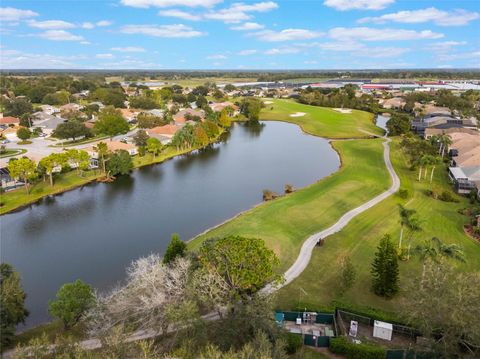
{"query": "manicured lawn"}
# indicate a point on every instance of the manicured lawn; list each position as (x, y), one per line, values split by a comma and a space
(286, 222)
(19, 197)
(359, 240)
(322, 121)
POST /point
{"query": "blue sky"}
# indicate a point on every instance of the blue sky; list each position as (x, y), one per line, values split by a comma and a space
(216, 34)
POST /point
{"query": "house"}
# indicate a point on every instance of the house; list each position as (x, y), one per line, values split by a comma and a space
(129, 115)
(49, 109)
(9, 121)
(112, 147)
(156, 112)
(465, 149)
(166, 131)
(184, 115)
(465, 179)
(49, 124)
(97, 103)
(219, 106)
(71, 107)
(429, 132)
(439, 121)
(6, 182)
(395, 102)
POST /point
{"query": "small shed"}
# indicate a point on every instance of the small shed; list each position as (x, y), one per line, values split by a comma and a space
(382, 330)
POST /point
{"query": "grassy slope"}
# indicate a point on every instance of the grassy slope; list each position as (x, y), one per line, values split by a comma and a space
(322, 121)
(359, 240)
(286, 222)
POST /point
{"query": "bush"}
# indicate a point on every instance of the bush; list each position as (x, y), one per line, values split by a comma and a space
(294, 343)
(447, 196)
(403, 193)
(342, 346)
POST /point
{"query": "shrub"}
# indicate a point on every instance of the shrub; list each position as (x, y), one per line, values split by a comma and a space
(268, 195)
(447, 196)
(342, 346)
(403, 193)
(294, 343)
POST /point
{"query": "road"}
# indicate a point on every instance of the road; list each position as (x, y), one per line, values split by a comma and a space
(41, 147)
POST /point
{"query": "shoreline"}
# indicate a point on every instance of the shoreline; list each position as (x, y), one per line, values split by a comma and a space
(95, 177)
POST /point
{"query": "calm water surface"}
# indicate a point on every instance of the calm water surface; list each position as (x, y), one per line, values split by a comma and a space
(94, 232)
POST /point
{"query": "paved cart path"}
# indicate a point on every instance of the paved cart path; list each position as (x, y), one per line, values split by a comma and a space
(300, 264)
(307, 248)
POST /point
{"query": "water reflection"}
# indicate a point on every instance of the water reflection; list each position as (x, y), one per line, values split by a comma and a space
(94, 232)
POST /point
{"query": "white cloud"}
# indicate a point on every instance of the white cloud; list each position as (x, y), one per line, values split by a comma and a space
(173, 31)
(247, 52)
(12, 14)
(239, 12)
(460, 56)
(217, 57)
(439, 17)
(170, 3)
(60, 35)
(282, 51)
(128, 49)
(180, 14)
(51, 24)
(85, 42)
(287, 35)
(12, 59)
(103, 23)
(228, 16)
(360, 49)
(371, 34)
(444, 67)
(248, 26)
(88, 25)
(358, 4)
(445, 46)
(104, 56)
(129, 64)
(257, 7)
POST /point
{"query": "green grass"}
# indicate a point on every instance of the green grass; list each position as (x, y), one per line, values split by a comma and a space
(359, 240)
(322, 121)
(286, 222)
(13, 152)
(19, 197)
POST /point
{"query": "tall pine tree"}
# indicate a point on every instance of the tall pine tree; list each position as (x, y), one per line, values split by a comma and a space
(385, 269)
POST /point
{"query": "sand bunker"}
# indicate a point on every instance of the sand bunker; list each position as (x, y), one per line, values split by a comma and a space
(267, 102)
(297, 114)
(343, 110)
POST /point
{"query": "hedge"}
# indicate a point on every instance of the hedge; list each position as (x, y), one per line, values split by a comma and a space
(342, 346)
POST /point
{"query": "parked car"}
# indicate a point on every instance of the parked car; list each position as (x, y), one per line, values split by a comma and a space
(5, 141)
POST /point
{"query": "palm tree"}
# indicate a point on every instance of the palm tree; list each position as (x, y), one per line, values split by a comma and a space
(413, 226)
(434, 161)
(445, 142)
(434, 249)
(102, 150)
(405, 215)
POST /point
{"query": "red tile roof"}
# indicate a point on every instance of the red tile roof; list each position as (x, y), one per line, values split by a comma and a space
(9, 120)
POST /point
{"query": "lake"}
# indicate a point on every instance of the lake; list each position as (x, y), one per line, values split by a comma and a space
(93, 233)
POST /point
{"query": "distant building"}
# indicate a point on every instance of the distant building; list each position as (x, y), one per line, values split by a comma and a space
(9, 121)
(167, 131)
(182, 116)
